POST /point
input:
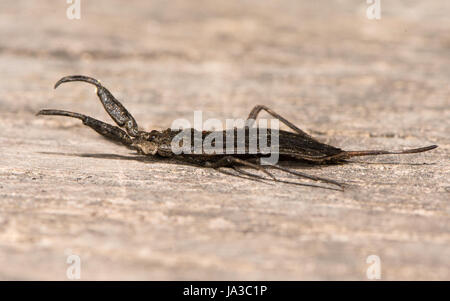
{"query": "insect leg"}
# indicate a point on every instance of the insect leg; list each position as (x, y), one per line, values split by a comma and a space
(219, 167)
(111, 132)
(249, 174)
(254, 114)
(113, 107)
(303, 175)
(256, 177)
(229, 161)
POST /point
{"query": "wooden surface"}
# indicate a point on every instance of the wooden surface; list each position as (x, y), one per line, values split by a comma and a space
(350, 81)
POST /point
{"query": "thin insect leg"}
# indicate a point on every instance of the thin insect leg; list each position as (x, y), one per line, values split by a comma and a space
(309, 185)
(199, 162)
(273, 178)
(283, 181)
(240, 170)
(255, 166)
(254, 114)
(113, 107)
(229, 160)
(303, 175)
(248, 175)
(109, 131)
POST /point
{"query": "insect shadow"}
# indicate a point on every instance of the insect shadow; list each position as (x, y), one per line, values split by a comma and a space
(149, 160)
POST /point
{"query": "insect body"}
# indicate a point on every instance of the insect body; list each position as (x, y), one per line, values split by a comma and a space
(291, 146)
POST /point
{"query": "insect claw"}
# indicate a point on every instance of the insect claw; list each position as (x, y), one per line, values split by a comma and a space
(62, 113)
(113, 107)
(74, 78)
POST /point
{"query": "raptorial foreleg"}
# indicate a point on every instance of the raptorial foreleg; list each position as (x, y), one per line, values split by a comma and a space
(109, 131)
(113, 107)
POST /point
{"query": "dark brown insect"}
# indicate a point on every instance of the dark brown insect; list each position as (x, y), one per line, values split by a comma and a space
(292, 146)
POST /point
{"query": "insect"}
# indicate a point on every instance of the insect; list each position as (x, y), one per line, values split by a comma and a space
(292, 146)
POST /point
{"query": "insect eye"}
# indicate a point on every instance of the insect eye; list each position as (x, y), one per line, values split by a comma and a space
(152, 135)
